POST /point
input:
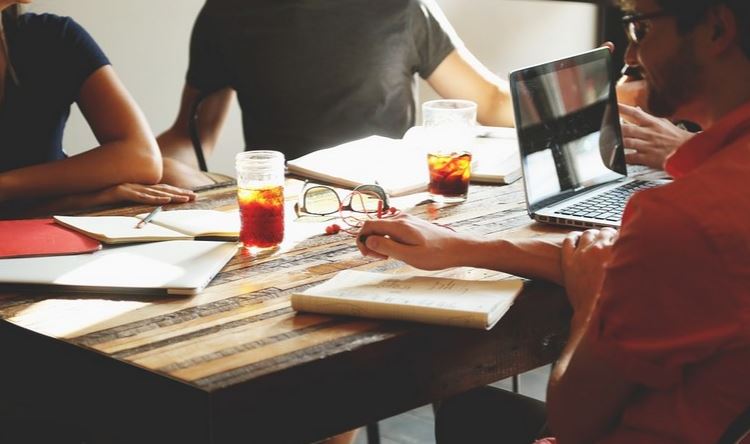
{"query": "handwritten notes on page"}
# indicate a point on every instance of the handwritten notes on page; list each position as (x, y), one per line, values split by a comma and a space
(432, 300)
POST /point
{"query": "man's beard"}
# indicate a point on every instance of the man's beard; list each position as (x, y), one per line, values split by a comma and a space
(679, 83)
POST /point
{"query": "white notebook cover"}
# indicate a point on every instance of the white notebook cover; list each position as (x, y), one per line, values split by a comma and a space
(172, 267)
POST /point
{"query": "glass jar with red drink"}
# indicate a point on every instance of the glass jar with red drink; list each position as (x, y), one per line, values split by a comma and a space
(260, 194)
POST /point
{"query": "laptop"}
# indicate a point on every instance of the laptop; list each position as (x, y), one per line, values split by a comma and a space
(572, 154)
(177, 267)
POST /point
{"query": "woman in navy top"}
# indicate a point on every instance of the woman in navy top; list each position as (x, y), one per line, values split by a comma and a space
(47, 63)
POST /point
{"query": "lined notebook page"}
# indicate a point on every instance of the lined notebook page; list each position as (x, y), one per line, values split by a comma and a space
(118, 229)
(199, 222)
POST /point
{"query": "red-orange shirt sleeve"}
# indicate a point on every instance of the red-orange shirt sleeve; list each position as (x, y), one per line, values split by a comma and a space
(661, 307)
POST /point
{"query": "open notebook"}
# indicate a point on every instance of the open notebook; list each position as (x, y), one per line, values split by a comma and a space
(400, 165)
(172, 267)
(167, 225)
(431, 300)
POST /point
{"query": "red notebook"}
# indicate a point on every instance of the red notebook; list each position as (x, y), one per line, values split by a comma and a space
(41, 237)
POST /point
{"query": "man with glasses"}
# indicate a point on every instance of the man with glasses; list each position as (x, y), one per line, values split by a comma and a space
(650, 139)
(659, 343)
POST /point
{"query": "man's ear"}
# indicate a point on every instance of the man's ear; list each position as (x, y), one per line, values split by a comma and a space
(723, 29)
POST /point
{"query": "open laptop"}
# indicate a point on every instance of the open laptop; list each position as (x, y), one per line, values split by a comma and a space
(572, 154)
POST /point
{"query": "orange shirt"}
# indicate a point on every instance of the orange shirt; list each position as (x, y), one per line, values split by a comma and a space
(674, 314)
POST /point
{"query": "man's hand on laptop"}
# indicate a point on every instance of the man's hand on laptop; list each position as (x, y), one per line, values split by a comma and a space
(650, 139)
(584, 255)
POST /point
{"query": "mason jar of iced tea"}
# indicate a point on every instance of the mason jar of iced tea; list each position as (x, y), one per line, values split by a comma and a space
(260, 194)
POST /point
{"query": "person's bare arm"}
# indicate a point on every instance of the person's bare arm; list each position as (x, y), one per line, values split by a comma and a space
(128, 151)
(461, 76)
(432, 247)
(159, 194)
(175, 143)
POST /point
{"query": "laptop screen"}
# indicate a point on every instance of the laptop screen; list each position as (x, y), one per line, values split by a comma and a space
(568, 127)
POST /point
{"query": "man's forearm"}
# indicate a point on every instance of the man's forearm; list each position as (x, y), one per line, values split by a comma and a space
(496, 109)
(531, 258)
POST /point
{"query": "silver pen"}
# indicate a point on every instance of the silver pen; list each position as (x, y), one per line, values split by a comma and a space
(148, 218)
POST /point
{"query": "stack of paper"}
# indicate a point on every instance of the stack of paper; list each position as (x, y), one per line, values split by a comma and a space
(432, 300)
(388, 162)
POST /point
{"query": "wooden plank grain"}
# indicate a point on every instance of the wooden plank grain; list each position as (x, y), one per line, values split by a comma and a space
(247, 354)
(260, 365)
(159, 334)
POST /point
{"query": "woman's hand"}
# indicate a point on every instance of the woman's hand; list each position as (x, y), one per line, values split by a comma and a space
(127, 192)
(146, 194)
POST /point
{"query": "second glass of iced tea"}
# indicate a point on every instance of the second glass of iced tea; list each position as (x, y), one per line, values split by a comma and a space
(449, 175)
(449, 126)
(260, 195)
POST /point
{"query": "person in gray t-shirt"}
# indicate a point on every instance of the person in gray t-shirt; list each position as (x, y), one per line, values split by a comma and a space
(310, 75)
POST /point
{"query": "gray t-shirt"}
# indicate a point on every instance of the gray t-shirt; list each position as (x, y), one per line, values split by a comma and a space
(310, 74)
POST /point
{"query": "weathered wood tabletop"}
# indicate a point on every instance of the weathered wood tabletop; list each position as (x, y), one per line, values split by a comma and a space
(236, 364)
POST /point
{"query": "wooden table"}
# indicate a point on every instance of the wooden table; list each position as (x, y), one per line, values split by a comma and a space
(236, 364)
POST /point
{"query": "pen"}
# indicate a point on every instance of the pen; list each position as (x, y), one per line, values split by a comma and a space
(148, 218)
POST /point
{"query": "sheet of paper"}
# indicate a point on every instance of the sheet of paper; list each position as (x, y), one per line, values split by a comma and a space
(494, 151)
(391, 163)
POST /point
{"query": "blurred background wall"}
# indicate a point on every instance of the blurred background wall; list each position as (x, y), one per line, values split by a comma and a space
(147, 42)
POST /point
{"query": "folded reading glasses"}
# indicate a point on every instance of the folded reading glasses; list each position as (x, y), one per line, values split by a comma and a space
(322, 200)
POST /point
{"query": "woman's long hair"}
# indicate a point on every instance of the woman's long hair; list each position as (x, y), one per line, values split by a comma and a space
(9, 21)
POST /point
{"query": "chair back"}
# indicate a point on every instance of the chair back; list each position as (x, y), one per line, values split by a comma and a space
(195, 136)
(738, 431)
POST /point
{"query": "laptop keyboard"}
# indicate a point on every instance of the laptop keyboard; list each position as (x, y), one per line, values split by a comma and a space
(607, 206)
